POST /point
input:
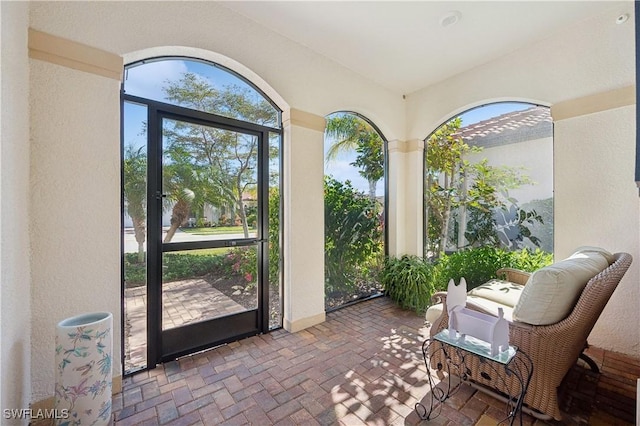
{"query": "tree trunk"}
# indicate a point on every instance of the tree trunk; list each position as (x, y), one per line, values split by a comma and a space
(139, 230)
(243, 219)
(179, 214)
(462, 223)
(372, 189)
(427, 191)
(444, 232)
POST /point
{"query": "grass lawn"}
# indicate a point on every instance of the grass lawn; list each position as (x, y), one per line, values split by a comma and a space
(203, 252)
(215, 230)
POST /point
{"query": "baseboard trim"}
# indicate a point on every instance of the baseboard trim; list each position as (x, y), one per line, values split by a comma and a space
(301, 324)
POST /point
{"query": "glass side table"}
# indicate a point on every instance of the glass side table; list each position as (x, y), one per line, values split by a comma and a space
(471, 357)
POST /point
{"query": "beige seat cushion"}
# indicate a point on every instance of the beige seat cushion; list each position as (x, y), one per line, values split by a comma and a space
(489, 307)
(488, 297)
(499, 291)
(552, 291)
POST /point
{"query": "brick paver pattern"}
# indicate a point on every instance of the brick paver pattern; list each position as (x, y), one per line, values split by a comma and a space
(362, 366)
(183, 302)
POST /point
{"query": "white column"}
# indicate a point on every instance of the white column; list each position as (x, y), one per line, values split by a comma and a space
(396, 178)
(303, 196)
(405, 197)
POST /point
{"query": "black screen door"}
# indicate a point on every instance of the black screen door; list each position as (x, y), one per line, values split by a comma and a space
(208, 265)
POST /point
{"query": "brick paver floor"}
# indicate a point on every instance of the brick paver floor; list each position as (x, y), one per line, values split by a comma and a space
(183, 302)
(362, 366)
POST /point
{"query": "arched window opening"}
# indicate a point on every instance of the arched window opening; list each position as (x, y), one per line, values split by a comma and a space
(488, 185)
(201, 209)
(355, 205)
(202, 86)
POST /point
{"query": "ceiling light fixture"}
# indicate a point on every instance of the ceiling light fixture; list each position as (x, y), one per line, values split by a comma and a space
(622, 18)
(450, 18)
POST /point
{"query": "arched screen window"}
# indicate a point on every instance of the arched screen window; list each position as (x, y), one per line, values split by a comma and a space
(354, 199)
(489, 180)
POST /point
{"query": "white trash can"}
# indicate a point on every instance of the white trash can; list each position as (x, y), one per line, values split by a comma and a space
(84, 348)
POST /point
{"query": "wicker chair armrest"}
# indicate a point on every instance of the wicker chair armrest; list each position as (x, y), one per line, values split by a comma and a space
(438, 297)
(514, 275)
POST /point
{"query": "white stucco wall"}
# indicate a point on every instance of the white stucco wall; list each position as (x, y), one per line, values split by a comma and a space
(15, 306)
(75, 207)
(596, 203)
(595, 56)
(536, 159)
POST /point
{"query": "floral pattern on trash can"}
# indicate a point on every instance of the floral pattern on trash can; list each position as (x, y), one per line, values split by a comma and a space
(83, 369)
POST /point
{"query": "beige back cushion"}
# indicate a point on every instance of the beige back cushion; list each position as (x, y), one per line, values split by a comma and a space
(552, 291)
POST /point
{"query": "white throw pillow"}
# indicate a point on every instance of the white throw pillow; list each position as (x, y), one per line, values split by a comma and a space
(552, 291)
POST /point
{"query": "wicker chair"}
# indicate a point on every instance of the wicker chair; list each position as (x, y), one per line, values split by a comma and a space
(553, 348)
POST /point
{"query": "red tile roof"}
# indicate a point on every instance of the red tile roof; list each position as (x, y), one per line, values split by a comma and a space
(512, 127)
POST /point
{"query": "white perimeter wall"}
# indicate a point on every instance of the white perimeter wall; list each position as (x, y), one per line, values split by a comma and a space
(534, 156)
(596, 200)
(15, 281)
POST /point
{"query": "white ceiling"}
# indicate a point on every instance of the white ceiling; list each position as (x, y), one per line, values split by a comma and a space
(402, 46)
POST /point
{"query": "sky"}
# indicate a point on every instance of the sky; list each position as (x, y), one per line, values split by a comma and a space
(341, 169)
(148, 79)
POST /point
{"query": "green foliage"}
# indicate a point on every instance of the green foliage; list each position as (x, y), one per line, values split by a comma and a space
(353, 233)
(134, 168)
(274, 238)
(530, 260)
(240, 262)
(243, 262)
(216, 166)
(479, 265)
(454, 185)
(176, 266)
(202, 222)
(135, 272)
(542, 229)
(408, 281)
(354, 133)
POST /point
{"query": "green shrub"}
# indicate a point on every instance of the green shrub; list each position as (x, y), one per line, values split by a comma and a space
(177, 266)
(479, 265)
(352, 234)
(530, 260)
(408, 281)
(242, 261)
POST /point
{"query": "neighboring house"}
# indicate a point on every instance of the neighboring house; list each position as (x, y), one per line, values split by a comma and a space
(518, 139)
(523, 140)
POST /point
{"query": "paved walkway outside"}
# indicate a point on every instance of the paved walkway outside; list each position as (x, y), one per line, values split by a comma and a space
(362, 366)
(183, 302)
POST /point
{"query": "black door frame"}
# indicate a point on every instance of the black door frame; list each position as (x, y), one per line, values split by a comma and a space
(169, 344)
